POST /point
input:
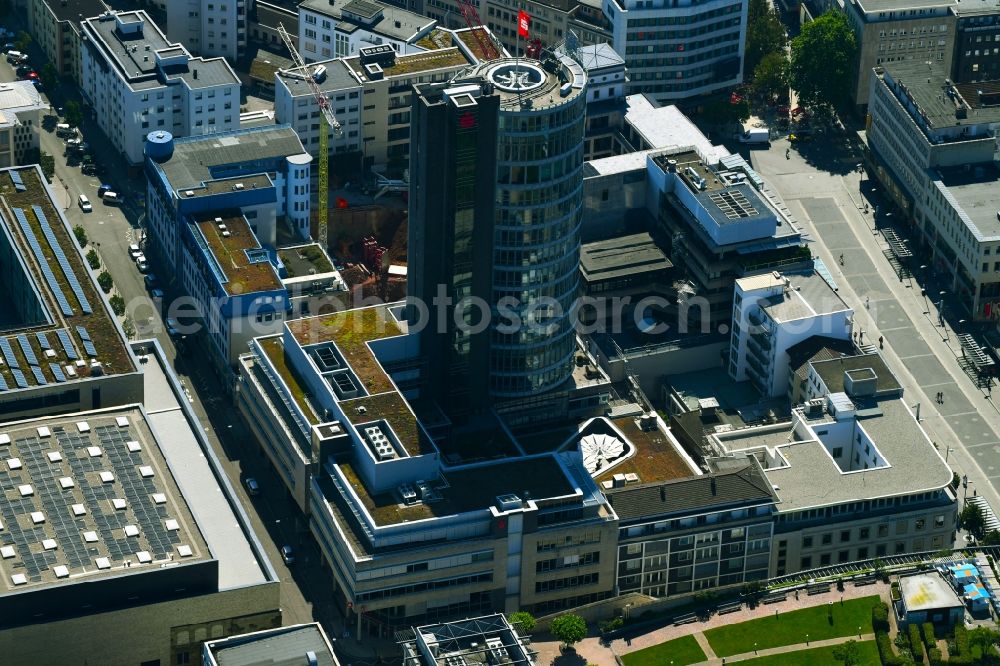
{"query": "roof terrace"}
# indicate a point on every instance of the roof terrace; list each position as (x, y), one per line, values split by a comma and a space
(416, 63)
(245, 266)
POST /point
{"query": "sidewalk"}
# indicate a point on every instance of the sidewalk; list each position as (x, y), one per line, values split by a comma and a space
(746, 656)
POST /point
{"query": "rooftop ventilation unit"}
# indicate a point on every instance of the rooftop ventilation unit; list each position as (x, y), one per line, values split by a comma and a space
(222, 227)
(238, 186)
(374, 71)
(189, 193)
(408, 494)
(226, 234)
(218, 220)
(496, 653)
(508, 502)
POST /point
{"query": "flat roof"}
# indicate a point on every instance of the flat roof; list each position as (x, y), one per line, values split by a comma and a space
(72, 323)
(831, 371)
(599, 56)
(88, 495)
(395, 22)
(807, 296)
(901, 6)
(469, 489)
(745, 484)
(813, 479)
(417, 63)
(245, 266)
(667, 126)
(303, 260)
(466, 641)
(657, 455)
(928, 592)
(18, 96)
(925, 83)
(197, 160)
(544, 92)
(284, 646)
(976, 194)
(618, 257)
(215, 508)
(73, 10)
(133, 54)
(338, 77)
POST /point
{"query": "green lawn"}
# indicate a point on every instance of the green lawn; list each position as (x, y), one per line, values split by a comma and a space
(680, 652)
(816, 657)
(791, 628)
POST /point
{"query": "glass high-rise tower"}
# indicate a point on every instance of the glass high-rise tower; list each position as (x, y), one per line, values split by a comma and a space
(496, 199)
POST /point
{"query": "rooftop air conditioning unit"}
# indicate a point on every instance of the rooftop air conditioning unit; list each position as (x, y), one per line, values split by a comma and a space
(218, 220)
(238, 186)
(226, 234)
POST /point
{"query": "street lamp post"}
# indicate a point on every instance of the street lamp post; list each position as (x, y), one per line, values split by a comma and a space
(947, 453)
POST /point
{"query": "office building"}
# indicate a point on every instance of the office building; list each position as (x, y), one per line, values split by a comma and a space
(371, 96)
(263, 22)
(489, 639)
(931, 145)
(772, 313)
(696, 533)
(552, 21)
(977, 41)
(209, 28)
(62, 348)
(323, 400)
(606, 102)
(530, 116)
(339, 28)
(213, 207)
(299, 643)
(887, 31)
(855, 475)
(122, 536)
(676, 50)
(54, 26)
(138, 82)
(21, 109)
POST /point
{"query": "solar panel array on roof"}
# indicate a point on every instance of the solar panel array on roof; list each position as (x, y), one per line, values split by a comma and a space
(8, 353)
(43, 341)
(43, 263)
(19, 378)
(3, 384)
(88, 344)
(57, 372)
(67, 344)
(15, 177)
(29, 353)
(67, 270)
(39, 376)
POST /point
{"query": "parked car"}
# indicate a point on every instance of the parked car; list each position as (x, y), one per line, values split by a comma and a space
(134, 251)
(171, 325)
(102, 189)
(22, 71)
(89, 168)
(139, 258)
(74, 141)
(85, 204)
(288, 555)
(251, 484)
(142, 265)
(14, 57)
(64, 131)
(157, 294)
(150, 279)
(111, 197)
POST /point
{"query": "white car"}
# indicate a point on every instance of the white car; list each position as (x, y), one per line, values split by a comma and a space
(134, 251)
(85, 204)
(111, 198)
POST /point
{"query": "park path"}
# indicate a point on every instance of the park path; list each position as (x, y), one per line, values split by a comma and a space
(715, 661)
(704, 645)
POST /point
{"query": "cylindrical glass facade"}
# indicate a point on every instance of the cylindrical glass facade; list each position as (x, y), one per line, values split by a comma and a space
(539, 199)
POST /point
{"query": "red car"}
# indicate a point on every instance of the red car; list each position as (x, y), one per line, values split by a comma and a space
(32, 75)
(797, 110)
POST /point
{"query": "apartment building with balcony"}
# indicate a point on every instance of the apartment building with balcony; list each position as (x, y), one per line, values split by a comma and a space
(772, 313)
(855, 475)
(931, 144)
(209, 28)
(137, 82)
(679, 49)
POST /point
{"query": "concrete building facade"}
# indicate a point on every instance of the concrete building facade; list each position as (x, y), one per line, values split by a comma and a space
(54, 26)
(209, 28)
(138, 82)
(21, 110)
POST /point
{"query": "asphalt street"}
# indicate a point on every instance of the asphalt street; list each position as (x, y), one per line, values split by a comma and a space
(824, 191)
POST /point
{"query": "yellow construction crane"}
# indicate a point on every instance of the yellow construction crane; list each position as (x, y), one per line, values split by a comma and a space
(327, 120)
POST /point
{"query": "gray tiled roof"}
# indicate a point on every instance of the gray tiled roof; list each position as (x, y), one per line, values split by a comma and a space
(395, 22)
(626, 255)
(745, 484)
(281, 647)
(832, 371)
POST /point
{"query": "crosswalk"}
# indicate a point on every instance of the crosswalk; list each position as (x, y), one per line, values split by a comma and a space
(991, 518)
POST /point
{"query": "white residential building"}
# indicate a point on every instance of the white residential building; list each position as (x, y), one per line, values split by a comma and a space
(773, 312)
(20, 118)
(677, 49)
(137, 82)
(338, 28)
(209, 27)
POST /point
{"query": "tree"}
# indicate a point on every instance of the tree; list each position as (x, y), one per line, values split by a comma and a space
(117, 304)
(81, 235)
(724, 112)
(569, 628)
(93, 259)
(770, 79)
(22, 41)
(984, 638)
(992, 538)
(971, 519)
(128, 327)
(524, 621)
(104, 279)
(765, 34)
(823, 56)
(74, 115)
(848, 652)
(49, 76)
(48, 163)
